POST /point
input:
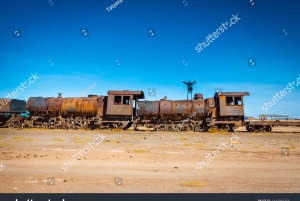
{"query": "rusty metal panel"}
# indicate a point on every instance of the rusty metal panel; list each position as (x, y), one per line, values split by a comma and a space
(165, 107)
(54, 106)
(38, 104)
(199, 107)
(230, 110)
(182, 107)
(148, 108)
(89, 106)
(233, 93)
(18, 106)
(4, 105)
(71, 107)
(210, 102)
(100, 109)
(118, 109)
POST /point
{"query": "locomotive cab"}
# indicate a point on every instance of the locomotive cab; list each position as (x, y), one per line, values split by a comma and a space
(123, 103)
(231, 103)
(228, 110)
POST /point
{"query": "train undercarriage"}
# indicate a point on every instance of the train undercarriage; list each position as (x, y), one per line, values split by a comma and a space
(115, 122)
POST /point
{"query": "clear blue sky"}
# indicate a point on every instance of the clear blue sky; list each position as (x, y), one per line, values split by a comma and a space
(51, 45)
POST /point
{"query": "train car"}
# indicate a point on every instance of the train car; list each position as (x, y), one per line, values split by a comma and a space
(10, 112)
(117, 109)
(224, 111)
(124, 108)
(267, 121)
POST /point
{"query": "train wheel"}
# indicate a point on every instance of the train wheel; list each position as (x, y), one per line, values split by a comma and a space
(176, 128)
(197, 128)
(18, 125)
(200, 128)
(169, 127)
(247, 128)
(268, 128)
(231, 128)
(10, 125)
(251, 129)
(160, 127)
(187, 127)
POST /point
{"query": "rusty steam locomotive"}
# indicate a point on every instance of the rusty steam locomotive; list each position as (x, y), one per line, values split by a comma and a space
(125, 109)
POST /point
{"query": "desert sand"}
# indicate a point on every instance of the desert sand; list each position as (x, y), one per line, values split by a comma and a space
(148, 162)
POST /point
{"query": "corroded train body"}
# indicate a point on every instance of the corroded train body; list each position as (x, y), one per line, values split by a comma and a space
(124, 108)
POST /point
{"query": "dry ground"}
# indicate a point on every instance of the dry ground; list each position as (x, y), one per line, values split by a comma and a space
(145, 161)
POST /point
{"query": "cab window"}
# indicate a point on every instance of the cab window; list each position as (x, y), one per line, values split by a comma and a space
(238, 101)
(117, 100)
(126, 100)
(229, 100)
(233, 100)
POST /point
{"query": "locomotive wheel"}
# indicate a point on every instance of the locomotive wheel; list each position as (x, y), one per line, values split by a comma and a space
(162, 128)
(225, 128)
(10, 125)
(176, 128)
(169, 127)
(247, 128)
(18, 125)
(45, 125)
(231, 129)
(268, 128)
(187, 127)
(200, 128)
(251, 129)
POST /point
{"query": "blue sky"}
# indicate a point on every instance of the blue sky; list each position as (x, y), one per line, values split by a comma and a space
(119, 53)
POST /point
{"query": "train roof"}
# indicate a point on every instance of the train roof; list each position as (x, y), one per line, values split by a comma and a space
(139, 94)
(233, 93)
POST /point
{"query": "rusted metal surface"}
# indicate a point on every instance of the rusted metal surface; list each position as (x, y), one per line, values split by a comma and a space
(38, 105)
(89, 106)
(165, 107)
(210, 102)
(18, 106)
(4, 105)
(54, 107)
(233, 93)
(121, 102)
(148, 108)
(181, 107)
(12, 106)
(228, 104)
(199, 107)
(117, 107)
(198, 96)
(71, 107)
(101, 104)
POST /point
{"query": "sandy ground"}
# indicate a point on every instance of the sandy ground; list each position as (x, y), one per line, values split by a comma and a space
(143, 162)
